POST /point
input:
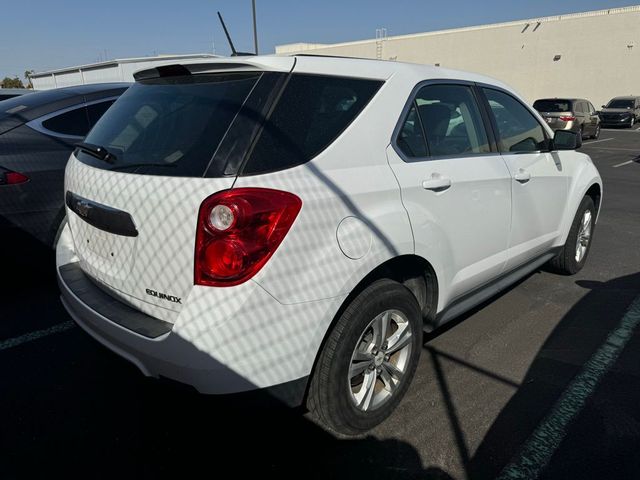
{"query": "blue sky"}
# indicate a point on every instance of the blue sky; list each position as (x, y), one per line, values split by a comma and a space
(46, 34)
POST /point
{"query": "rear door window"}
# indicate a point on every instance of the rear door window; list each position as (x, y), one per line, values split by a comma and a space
(451, 120)
(411, 137)
(73, 123)
(311, 113)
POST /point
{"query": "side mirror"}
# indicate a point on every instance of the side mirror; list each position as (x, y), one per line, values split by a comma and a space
(566, 140)
(604, 106)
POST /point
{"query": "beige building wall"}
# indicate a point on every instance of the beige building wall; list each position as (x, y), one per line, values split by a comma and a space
(599, 53)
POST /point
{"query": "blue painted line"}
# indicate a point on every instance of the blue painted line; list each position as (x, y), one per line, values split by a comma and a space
(541, 445)
(30, 337)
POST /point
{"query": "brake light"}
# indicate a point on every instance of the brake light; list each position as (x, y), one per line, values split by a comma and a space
(238, 231)
(12, 178)
(567, 118)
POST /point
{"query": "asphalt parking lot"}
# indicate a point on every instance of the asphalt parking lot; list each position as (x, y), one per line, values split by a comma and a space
(546, 374)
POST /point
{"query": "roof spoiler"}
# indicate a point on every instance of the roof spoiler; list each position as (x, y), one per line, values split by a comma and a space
(177, 70)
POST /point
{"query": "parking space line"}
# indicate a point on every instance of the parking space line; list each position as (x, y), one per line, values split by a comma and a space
(623, 163)
(617, 148)
(541, 445)
(597, 141)
(30, 337)
(632, 130)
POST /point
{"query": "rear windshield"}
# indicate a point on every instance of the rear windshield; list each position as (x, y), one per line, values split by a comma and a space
(554, 105)
(620, 104)
(169, 126)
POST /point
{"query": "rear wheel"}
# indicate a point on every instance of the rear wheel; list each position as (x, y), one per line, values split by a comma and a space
(368, 360)
(574, 253)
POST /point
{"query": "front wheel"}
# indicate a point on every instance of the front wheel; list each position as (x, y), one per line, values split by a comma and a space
(574, 253)
(368, 360)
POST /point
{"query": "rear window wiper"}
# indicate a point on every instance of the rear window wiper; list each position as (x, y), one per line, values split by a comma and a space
(101, 153)
(138, 165)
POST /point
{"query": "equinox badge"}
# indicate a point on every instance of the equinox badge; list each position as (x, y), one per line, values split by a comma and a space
(163, 296)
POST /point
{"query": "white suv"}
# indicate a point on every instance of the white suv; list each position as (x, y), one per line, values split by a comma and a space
(297, 222)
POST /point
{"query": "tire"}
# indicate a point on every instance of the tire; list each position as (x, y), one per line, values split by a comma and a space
(334, 393)
(568, 261)
(596, 134)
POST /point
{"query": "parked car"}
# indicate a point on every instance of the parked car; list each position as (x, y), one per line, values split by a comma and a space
(620, 112)
(295, 223)
(6, 93)
(575, 114)
(37, 134)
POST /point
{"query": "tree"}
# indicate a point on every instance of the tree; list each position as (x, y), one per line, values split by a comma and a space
(14, 82)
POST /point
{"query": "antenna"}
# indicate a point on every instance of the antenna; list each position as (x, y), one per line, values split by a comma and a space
(234, 52)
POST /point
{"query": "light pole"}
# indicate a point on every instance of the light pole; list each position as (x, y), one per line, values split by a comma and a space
(255, 29)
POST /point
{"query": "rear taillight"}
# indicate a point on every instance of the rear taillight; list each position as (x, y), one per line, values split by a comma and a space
(567, 118)
(12, 178)
(238, 231)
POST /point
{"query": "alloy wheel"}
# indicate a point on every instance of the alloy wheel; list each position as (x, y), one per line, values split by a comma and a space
(380, 360)
(584, 236)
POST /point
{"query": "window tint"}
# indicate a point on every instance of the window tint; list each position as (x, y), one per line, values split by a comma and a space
(518, 129)
(579, 107)
(312, 111)
(411, 139)
(451, 120)
(552, 106)
(73, 122)
(169, 125)
(96, 110)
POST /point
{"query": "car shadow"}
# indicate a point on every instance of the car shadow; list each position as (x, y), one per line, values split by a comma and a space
(602, 438)
(72, 407)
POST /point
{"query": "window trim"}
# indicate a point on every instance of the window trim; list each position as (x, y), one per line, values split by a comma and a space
(37, 123)
(494, 126)
(411, 100)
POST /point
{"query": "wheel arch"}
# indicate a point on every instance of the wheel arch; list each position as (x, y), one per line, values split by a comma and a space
(584, 181)
(414, 272)
(595, 192)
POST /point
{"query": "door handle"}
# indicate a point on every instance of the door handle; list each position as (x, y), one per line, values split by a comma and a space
(522, 176)
(437, 183)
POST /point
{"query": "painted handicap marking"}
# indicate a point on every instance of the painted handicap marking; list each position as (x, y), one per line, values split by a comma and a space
(541, 445)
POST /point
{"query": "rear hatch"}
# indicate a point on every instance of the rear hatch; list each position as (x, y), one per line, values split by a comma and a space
(134, 188)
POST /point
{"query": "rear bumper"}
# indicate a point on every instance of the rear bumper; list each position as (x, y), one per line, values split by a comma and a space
(560, 125)
(246, 342)
(167, 355)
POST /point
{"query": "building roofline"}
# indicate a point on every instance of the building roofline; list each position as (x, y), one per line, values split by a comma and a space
(117, 61)
(553, 18)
